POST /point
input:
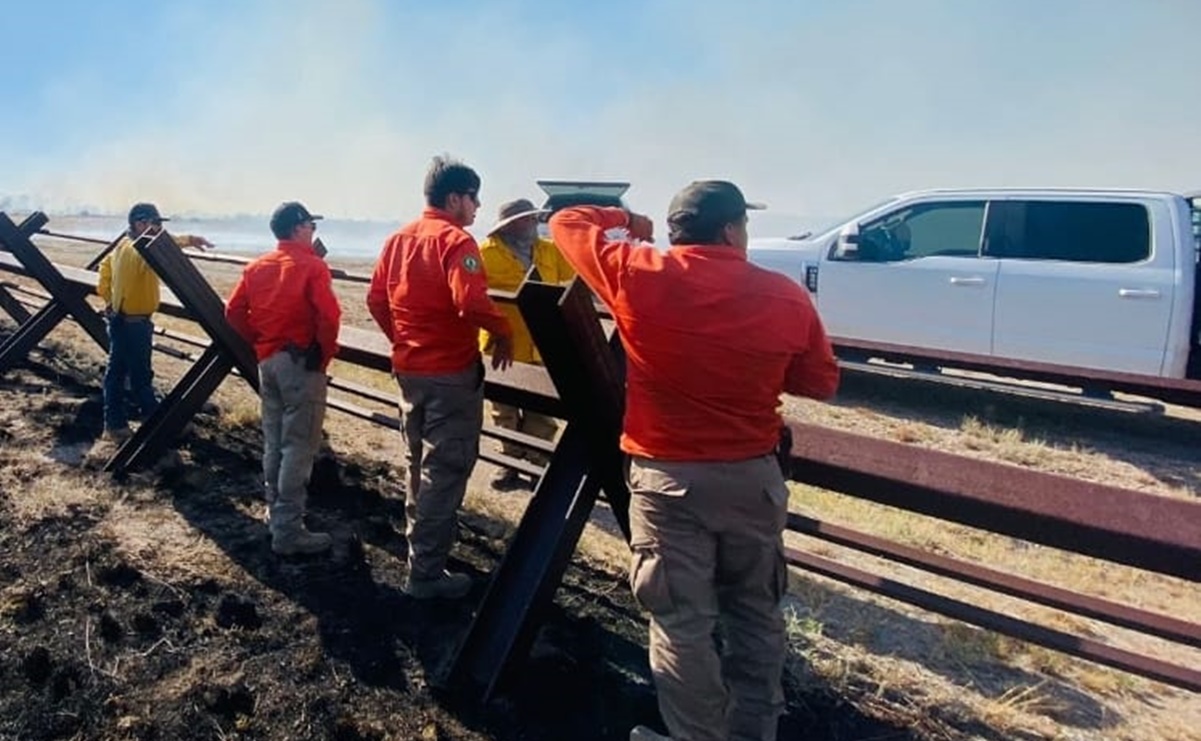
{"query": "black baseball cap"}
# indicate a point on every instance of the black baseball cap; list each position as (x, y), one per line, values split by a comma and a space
(145, 212)
(706, 205)
(288, 216)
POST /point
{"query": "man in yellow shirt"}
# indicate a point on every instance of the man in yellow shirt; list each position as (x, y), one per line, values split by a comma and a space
(130, 289)
(512, 247)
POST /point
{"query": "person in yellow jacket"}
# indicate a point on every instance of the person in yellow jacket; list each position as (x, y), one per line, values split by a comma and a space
(130, 290)
(512, 247)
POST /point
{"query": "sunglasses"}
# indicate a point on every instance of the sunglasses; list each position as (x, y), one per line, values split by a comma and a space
(474, 195)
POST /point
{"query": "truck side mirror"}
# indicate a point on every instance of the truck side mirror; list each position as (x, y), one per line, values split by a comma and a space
(846, 247)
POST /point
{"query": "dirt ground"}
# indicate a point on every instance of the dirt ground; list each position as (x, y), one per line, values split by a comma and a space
(154, 609)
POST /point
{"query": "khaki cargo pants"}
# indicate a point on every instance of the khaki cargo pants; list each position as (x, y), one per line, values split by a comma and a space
(708, 553)
(530, 423)
(441, 418)
(293, 409)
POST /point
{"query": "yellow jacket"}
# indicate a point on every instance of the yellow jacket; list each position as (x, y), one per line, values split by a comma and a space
(505, 272)
(126, 283)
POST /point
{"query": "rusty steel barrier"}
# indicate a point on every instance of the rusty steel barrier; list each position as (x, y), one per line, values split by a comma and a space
(1185, 392)
(581, 384)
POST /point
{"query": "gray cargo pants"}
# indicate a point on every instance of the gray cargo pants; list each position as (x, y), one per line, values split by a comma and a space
(708, 552)
(293, 410)
(441, 418)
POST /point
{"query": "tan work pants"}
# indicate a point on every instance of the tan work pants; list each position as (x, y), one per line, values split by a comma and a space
(523, 420)
(441, 418)
(293, 411)
(708, 553)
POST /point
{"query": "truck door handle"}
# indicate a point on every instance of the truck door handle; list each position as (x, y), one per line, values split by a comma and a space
(1138, 293)
(967, 281)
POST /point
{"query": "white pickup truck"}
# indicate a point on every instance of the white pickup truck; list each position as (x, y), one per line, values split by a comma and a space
(1104, 279)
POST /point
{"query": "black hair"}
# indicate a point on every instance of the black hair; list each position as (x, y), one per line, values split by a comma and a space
(696, 233)
(447, 176)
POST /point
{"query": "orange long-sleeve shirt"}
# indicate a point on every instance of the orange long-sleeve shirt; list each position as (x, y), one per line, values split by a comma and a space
(711, 340)
(283, 297)
(429, 295)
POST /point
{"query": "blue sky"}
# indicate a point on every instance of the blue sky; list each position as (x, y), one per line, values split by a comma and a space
(818, 107)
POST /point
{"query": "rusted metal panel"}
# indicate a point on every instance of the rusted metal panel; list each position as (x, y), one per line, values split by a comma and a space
(1162, 671)
(1171, 390)
(1084, 605)
(1142, 530)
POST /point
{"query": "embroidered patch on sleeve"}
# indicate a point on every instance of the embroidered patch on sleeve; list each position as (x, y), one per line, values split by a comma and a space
(471, 264)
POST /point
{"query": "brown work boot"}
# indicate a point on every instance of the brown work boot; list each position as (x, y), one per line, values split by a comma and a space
(446, 586)
(642, 733)
(299, 540)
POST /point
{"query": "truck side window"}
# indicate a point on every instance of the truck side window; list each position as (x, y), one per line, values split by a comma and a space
(1196, 204)
(1072, 231)
(924, 230)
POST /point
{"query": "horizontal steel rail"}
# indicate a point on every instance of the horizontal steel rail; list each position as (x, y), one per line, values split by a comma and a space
(1185, 392)
(1155, 533)
(1086, 648)
(1114, 613)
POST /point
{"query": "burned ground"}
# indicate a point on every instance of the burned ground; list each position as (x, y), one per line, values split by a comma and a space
(152, 608)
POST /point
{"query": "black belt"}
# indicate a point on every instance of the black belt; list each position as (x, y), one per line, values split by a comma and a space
(310, 356)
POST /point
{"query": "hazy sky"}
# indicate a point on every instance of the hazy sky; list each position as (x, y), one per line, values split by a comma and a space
(818, 107)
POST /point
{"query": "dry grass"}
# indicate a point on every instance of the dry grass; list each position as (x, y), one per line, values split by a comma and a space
(44, 492)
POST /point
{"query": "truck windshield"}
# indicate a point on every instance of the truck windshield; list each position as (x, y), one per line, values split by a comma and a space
(838, 224)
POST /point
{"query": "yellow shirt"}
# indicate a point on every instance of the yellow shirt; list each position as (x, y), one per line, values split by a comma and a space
(505, 272)
(127, 283)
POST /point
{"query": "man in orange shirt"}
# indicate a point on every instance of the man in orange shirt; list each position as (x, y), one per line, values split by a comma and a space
(429, 295)
(711, 342)
(285, 307)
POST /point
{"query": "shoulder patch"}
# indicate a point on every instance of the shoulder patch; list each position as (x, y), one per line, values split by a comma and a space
(471, 264)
